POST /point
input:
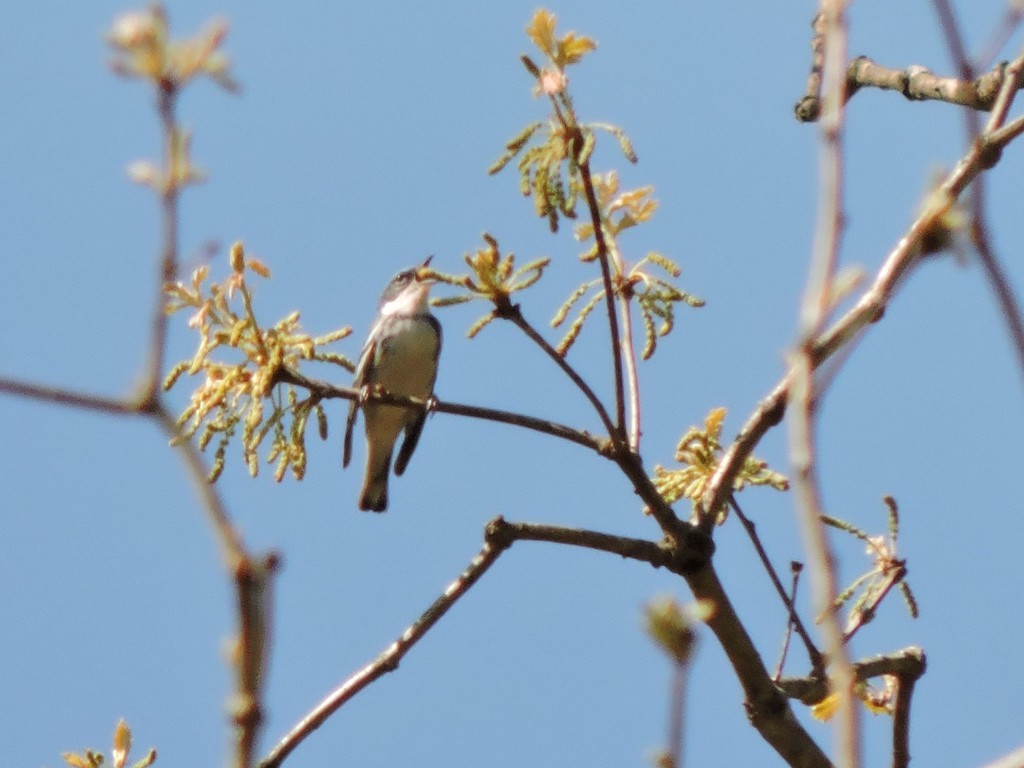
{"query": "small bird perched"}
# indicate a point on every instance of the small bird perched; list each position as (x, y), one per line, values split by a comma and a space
(400, 357)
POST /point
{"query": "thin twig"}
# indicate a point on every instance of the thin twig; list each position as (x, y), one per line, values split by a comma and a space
(765, 704)
(866, 613)
(813, 654)
(1003, 136)
(59, 396)
(324, 390)
(1012, 18)
(1007, 300)
(167, 93)
(1014, 759)
(990, 263)
(766, 707)
(516, 316)
(795, 569)
(868, 309)
(624, 546)
(628, 352)
(609, 293)
(815, 309)
(627, 349)
(677, 713)
(809, 107)
(233, 552)
(389, 660)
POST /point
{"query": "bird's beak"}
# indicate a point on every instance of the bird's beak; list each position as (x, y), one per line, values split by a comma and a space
(423, 271)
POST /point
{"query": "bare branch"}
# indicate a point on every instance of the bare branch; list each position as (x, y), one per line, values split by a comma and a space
(916, 83)
(389, 660)
(167, 93)
(60, 396)
(901, 717)
(766, 707)
(817, 662)
(609, 294)
(633, 549)
(868, 309)
(909, 662)
(1014, 759)
(804, 396)
(252, 588)
(326, 391)
(765, 704)
(514, 314)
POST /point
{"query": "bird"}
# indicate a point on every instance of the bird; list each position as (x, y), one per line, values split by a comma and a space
(400, 356)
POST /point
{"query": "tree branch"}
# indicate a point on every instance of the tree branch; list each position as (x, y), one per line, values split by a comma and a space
(323, 390)
(59, 396)
(816, 659)
(815, 309)
(766, 706)
(1014, 759)
(909, 662)
(167, 94)
(869, 308)
(1005, 297)
(618, 436)
(916, 83)
(389, 660)
(515, 315)
(645, 551)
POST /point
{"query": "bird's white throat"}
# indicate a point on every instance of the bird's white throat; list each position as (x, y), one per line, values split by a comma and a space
(412, 301)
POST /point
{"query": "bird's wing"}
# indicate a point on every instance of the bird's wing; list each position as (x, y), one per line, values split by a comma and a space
(412, 437)
(364, 370)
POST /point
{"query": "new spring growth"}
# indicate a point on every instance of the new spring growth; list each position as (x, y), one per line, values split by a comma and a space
(887, 570)
(492, 277)
(553, 151)
(240, 363)
(655, 295)
(671, 625)
(144, 49)
(699, 451)
(118, 753)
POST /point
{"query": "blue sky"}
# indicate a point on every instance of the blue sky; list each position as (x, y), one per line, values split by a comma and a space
(358, 146)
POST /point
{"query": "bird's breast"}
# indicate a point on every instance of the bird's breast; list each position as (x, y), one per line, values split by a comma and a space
(406, 361)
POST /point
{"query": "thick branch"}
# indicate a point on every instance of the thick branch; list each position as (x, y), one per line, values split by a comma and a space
(909, 662)
(253, 581)
(916, 83)
(766, 706)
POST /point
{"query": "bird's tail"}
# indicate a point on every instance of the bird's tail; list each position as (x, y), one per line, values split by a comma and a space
(374, 496)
